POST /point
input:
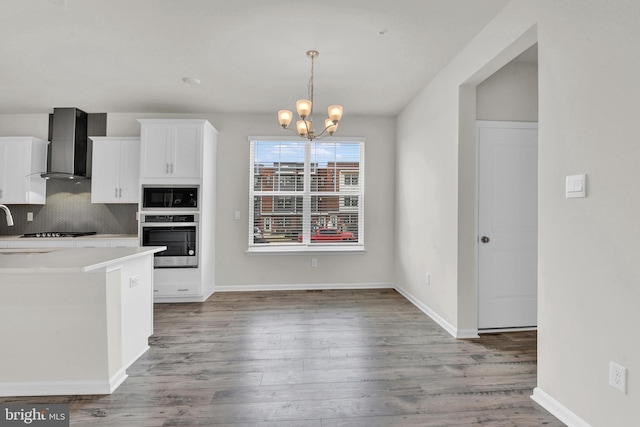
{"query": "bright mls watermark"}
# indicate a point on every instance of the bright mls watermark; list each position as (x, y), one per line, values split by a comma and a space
(34, 415)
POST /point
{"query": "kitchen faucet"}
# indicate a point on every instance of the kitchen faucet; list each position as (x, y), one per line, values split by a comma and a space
(8, 214)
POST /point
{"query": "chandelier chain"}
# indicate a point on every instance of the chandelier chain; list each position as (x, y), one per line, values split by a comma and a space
(311, 83)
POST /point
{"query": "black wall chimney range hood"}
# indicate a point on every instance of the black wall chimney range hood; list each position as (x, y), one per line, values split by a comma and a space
(69, 155)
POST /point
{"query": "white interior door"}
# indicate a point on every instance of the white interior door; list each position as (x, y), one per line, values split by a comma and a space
(507, 224)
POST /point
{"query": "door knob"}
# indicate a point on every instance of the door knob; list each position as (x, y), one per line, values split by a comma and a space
(485, 239)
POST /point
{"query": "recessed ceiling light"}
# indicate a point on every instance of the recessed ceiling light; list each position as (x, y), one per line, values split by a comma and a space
(191, 81)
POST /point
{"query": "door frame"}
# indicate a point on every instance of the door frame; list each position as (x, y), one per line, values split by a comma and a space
(497, 123)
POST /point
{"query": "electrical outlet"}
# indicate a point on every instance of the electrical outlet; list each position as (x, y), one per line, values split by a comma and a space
(314, 262)
(29, 216)
(133, 281)
(618, 377)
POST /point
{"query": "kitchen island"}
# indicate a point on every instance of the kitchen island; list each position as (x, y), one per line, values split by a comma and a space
(73, 319)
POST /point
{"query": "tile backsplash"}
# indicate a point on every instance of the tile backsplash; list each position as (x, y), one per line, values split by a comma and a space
(69, 208)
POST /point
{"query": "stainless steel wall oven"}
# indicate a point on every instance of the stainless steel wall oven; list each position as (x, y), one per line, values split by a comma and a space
(178, 232)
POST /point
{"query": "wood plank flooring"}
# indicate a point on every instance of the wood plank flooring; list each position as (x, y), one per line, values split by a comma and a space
(347, 358)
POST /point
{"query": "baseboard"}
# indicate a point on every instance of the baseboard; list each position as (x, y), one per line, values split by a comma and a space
(302, 287)
(557, 409)
(57, 388)
(455, 332)
(500, 330)
(133, 359)
(465, 334)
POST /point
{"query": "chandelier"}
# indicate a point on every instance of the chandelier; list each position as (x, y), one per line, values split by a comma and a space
(304, 107)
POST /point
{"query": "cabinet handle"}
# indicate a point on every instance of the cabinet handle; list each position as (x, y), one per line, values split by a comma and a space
(172, 167)
(120, 193)
(116, 195)
(182, 290)
(168, 169)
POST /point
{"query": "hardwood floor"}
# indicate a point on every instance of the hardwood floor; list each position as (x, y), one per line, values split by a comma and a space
(348, 358)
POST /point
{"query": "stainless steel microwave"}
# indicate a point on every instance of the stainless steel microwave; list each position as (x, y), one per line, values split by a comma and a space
(169, 197)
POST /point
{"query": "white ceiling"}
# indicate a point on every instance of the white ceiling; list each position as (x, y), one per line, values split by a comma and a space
(131, 55)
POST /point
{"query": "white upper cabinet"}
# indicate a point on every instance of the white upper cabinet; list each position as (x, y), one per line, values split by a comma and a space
(171, 148)
(22, 160)
(115, 170)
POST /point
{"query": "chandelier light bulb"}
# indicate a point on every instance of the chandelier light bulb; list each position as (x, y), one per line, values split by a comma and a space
(335, 113)
(301, 125)
(303, 107)
(330, 126)
(285, 117)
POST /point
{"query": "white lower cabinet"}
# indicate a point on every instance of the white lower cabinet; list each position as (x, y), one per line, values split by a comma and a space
(40, 243)
(106, 243)
(95, 243)
(175, 290)
(98, 242)
(69, 242)
(124, 243)
(178, 285)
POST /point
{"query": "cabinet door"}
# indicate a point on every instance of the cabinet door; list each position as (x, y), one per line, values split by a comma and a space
(3, 172)
(156, 145)
(116, 166)
(22, 159)
(14, 160)
(129, 171)
(105, 179)
(43, 243)
(36, 185)
(185, 153)
(124, 243)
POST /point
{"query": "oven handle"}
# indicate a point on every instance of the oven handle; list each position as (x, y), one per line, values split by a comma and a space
(169, 224)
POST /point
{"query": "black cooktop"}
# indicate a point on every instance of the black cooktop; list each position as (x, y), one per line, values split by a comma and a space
(60, 234)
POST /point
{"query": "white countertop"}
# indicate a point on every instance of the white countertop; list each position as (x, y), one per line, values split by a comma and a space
(71, 260)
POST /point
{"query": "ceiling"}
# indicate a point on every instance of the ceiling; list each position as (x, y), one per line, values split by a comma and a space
(132, 55)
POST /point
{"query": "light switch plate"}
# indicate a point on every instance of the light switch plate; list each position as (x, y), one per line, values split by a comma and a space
(576, 186)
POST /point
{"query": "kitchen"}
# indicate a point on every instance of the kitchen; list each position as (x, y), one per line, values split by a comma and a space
(71, 240)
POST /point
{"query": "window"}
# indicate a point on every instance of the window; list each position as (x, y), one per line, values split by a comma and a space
(306, 195)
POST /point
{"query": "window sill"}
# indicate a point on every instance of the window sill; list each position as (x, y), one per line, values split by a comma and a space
(305, 250)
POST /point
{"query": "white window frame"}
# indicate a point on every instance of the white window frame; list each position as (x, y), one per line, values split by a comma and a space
(307, 246)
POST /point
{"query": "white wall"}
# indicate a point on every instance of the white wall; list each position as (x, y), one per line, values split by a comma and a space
(510, 94)
(589, 274)
(235, 269)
